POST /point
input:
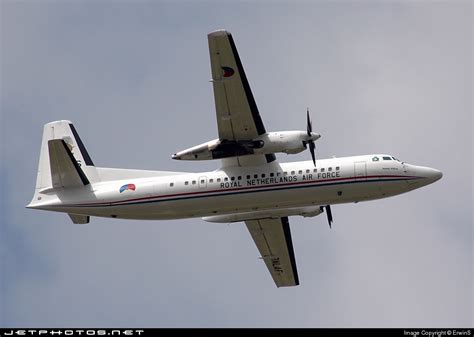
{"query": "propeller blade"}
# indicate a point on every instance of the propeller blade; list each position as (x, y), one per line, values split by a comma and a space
(329, 214)
(311, 149)
(310, 142)
(309, 126)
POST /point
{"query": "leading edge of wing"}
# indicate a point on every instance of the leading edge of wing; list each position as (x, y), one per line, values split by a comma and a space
(289, 243)
(248, 92)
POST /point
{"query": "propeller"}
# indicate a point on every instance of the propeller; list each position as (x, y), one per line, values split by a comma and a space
(310, 141)
(328, 213)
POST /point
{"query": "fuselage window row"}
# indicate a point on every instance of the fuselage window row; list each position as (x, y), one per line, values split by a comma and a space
(272, 174)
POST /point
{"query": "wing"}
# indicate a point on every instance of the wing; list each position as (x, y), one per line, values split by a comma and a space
(273, 240)
(236, 111)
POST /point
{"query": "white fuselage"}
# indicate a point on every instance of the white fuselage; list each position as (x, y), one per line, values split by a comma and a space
(243, 189)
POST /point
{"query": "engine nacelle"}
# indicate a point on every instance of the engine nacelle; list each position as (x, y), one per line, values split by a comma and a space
(289, 142)
(216, 149)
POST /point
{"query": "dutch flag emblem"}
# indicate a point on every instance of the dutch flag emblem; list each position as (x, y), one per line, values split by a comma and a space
(228, 71)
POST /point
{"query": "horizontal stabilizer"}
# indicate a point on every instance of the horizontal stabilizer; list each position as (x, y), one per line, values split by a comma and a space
(65, 171)
(79, 219)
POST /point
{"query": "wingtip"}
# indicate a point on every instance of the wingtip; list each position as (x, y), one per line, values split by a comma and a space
(218, 32)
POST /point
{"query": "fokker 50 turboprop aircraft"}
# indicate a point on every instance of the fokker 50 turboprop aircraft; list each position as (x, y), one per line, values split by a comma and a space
(251, 185)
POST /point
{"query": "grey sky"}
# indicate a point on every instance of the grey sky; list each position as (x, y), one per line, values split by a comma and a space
(394, 77)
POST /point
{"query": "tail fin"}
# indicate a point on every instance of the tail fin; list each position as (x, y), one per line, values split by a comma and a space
(62, 153)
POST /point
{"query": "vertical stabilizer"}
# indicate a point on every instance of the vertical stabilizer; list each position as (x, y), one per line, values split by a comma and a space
(65, 131)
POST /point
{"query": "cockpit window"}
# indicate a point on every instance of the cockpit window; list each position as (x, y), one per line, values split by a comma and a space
(395, 159)
(387, 158)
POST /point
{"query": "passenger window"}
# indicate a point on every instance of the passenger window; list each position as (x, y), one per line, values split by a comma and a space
(202, 181)
(194, 182)
(330, 169)
(322, 170)
(337, 168)
(315, 170)
(218, 180)
(271, 174)
(292, 172)
(278, 174)
(226, 179)
(255, 176)
(307, 171)
(263, 175)
(186, 182)
(248, 176)
(211, 180)
(285, 173)
(232, 178)
(239, 177)
(300, 172)
(171, 184)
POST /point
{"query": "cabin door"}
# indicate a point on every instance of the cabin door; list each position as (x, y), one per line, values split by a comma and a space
(360, 170)
(202, 182)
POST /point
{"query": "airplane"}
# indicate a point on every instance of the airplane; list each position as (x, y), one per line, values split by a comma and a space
(250, 186)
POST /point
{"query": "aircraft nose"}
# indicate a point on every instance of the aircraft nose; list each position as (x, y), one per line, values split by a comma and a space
(437, 175)
(432, 174)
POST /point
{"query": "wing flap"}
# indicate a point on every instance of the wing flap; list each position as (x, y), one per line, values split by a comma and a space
(273, 240)
(65, 171)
